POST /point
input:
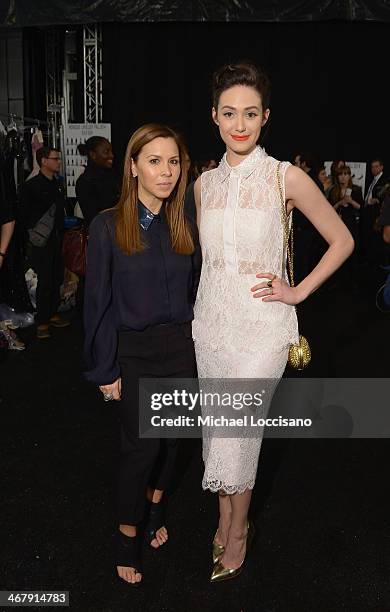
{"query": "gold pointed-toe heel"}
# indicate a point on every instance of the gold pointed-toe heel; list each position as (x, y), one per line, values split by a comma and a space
(221, 573)
(218, 551)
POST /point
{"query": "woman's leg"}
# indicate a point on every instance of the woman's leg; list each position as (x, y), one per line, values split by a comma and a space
(129, 574)
(179, 362)
(138, 455)
(159, 482)
(225, 518)
(235, 548)
(155, 496)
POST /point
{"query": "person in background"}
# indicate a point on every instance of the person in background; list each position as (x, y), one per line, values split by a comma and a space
(334, 167)
(323, 179)
(98, 187)
(308, 163)
(383, 221)
(383, 227)
(372, 196)
(7, 226)
(297, 159)
(37, 197)
(202, 166)
(371, 250)
(346, 198)
(211, 164)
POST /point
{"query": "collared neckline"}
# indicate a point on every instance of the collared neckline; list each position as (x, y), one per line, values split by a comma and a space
(46, 177)
(243, 169)
(96, 170)
(146, 217)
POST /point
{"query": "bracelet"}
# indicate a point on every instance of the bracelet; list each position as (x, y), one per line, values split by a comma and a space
(2, 254)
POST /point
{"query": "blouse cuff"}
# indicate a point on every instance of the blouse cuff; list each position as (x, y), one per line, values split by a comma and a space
(102, 376)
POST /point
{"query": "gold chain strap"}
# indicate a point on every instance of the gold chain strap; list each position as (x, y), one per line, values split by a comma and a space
(288, 234)
(299, 355)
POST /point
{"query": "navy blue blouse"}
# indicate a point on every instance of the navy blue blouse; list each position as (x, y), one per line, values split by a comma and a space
(133, 292)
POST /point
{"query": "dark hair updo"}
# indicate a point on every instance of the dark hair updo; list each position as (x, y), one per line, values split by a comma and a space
(242, 73)
(90, 144)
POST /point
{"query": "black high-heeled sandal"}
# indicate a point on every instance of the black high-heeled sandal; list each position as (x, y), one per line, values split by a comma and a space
(128, 554)
(155, 521)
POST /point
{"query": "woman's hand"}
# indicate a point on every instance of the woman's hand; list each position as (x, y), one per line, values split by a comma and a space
(275, 290)
(340, 203)
(355, 204)
(347, 200)
(372, 201)
(113, 391)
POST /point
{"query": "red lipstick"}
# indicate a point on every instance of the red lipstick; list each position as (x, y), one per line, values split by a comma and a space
(240, 138)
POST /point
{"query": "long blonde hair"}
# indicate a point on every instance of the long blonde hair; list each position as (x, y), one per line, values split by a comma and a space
(127, 229)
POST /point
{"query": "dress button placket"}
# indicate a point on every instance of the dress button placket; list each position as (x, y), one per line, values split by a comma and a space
(229, 240)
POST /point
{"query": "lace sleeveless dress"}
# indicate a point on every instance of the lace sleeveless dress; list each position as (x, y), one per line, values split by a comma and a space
(236, 335)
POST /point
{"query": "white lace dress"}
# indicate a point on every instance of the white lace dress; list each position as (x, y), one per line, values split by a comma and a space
(236, 335)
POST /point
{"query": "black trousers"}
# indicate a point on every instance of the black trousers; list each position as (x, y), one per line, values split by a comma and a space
(47, 262)
(158, 352)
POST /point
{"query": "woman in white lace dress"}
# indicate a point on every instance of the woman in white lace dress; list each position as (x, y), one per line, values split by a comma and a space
(244, 315)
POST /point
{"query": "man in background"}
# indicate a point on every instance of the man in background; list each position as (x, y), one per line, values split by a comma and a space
(384, 217)
(371, 249)
(38, 196)
(372, 195)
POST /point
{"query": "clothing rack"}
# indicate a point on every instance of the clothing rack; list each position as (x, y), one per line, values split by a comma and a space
(15, 117)
(48, 128)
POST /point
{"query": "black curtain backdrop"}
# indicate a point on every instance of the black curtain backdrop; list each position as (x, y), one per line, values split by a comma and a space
(34, 73)
(35, 69)
(328, 83)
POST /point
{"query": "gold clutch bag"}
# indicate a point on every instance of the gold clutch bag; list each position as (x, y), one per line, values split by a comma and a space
(299, 355)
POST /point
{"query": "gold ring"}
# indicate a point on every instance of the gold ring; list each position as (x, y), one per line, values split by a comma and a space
(271, 291)
(269, 283)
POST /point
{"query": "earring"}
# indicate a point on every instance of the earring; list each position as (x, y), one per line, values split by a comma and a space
(134, 175)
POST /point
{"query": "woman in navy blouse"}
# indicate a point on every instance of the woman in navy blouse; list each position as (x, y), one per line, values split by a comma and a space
(143, 269)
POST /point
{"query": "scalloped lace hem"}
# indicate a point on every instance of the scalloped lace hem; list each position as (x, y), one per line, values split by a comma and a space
(218, 485)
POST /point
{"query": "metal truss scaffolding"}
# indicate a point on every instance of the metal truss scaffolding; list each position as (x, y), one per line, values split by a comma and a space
(53, 83)
(93, 73)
